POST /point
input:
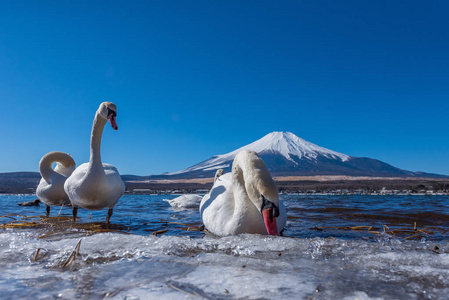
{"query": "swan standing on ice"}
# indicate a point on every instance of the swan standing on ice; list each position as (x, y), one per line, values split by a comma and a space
(94, 185)
(244, 201)
(51, 187)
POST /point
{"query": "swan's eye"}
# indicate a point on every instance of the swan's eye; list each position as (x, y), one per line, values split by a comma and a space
(111, 112)
(273, 209)
(276, 211)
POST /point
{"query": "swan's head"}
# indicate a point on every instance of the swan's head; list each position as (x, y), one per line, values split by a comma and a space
(218, 174)
(250, 169)
(270, 211)
(108, 111)
(267, 202)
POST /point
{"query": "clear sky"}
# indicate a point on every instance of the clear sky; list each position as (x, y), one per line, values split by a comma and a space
(192, 79)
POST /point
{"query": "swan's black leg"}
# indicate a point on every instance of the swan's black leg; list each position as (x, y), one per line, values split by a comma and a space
(74, 212)
(48, 210)
(109, 216)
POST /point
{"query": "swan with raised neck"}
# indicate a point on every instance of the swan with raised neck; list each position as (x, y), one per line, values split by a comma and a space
(51, 186)
(95, 185)
(244, 201)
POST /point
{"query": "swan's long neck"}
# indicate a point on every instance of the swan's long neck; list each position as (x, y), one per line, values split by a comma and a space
(251, 179)
(46, 162)
(95, 140)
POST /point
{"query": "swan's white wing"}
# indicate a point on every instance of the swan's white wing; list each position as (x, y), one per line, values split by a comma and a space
(73, 184)
(114, 184)
(52, 193)
(86, 191)
(217, 207)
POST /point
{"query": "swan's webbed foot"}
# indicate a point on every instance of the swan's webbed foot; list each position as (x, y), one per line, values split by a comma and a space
(109, 216)
(74, 212)
(48, 210)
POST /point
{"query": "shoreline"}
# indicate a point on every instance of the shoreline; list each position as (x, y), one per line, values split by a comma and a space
(307, 185)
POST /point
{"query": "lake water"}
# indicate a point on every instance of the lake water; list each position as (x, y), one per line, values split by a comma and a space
(334, 247)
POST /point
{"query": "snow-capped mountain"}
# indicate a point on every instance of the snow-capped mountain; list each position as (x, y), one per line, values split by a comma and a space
(286, 154)
(284, 144)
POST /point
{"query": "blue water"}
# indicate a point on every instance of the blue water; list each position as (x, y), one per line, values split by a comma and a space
(307, 214)
(320, 256)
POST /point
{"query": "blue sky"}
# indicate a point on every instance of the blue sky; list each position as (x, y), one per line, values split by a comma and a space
(192, 79)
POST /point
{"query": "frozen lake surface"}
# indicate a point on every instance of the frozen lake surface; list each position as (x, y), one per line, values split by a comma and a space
(328, 251)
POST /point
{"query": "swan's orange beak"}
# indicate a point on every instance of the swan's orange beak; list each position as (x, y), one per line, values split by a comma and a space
(112, 121)
(270, 221)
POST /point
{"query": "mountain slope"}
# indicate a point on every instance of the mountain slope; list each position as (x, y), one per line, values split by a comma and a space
(285, 154)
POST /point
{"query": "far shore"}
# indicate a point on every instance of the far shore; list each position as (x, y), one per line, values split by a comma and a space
(320, 178)
(307, 185)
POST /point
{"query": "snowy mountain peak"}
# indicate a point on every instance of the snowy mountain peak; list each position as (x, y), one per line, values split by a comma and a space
(288, 144)
(285, 144)
(285, 154)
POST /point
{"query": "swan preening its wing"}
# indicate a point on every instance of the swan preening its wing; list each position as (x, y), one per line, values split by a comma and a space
(95, 185)
(51, 187)
(244, 201)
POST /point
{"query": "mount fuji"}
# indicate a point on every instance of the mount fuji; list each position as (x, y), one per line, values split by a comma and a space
(285, 154)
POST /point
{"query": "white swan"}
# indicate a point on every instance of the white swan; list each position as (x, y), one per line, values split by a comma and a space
(185, 201)
(190, 200)
(94, 185)
(51, 187)
(244, 201)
